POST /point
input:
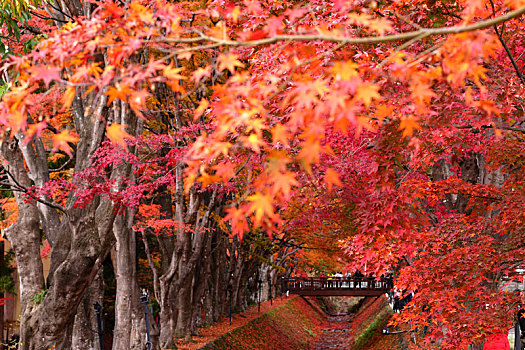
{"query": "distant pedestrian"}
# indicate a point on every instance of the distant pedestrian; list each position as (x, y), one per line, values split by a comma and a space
(397, 302)
(497, 341)
(358, 277)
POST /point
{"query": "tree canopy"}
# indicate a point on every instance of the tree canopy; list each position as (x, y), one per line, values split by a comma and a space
(390, 131)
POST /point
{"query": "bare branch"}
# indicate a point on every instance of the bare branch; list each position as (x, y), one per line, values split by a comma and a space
(424, 32)
(18, 187)
(509, 128)
(507, 50)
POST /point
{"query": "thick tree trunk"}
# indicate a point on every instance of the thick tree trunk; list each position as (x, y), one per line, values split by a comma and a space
(167, 315)
(124, 268)
(200, 284)
(24, 236)
(84, 334)
(222, 278)
(70, 281)
(130, 325)
(184, 311)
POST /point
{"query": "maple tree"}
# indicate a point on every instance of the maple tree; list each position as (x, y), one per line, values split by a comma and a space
(397, 125)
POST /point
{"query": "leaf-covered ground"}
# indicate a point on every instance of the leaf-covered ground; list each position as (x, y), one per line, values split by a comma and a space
(223, 327)
(291, 326)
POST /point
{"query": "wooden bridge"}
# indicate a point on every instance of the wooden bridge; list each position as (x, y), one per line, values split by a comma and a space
(337, 286)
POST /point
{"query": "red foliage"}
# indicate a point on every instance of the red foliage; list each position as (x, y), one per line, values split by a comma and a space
(318, 104)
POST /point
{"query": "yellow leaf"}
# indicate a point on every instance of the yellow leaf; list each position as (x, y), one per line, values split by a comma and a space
(366, 92)
(235, 14)
(253, 142)
(261, 205)
(344, 70)
(117, 134)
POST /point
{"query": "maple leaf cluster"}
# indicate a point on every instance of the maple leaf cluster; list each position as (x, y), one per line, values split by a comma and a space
(359, 123)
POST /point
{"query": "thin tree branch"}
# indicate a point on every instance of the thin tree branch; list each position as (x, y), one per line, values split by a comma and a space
(58, 9)
(507, 50)
(509, 128)
(62, 167)
(21, 188)
(345, 40)
(36, 14)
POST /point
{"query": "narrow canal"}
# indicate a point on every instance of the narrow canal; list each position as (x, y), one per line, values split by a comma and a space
(336, 334)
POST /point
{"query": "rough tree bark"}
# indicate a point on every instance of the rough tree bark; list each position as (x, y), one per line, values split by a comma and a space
(24, 236)
(130, 324)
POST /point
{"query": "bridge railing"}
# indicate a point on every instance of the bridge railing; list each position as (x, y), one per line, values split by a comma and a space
(336, 283)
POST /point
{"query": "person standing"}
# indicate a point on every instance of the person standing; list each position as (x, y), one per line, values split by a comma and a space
(521, 320)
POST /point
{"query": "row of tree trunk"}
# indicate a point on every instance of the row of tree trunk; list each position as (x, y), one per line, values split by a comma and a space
(199, 263)
(198, 267)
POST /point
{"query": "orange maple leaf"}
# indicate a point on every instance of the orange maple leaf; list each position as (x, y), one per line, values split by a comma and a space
(120, 92)
(200, 73)
(206, 179)
(224, 171)
(253, 142)
(261, 205)
(381, 26)
(203, 105)
(331, 177)
(117, 134)
(172, 73)
(284, 183)
(68, 96)
(229, 62)
(422, 92)
(280, 134)
(137, 101)
(238, 221)
(173, 78)
(141, 12)
(35, 129)
(488, 106)
(408, 125)
(185, 55)
(309, 154)
(384, 111)
(61, 141)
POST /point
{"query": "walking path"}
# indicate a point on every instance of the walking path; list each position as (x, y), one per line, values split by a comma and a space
(222, 327)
